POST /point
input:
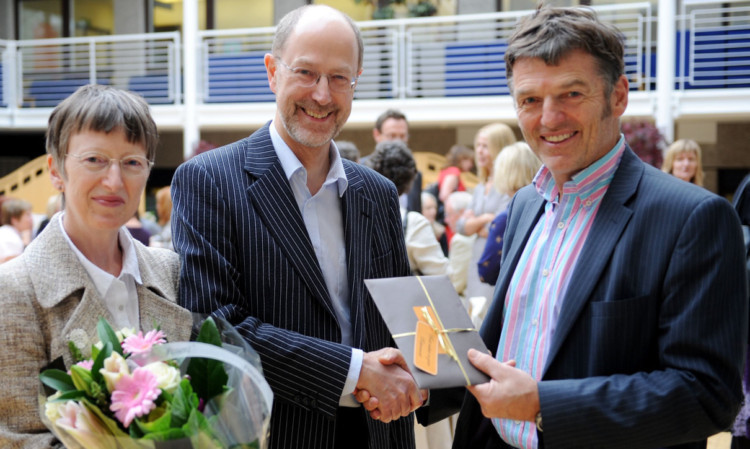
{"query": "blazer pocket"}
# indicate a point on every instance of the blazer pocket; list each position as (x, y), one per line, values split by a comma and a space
(382, 265)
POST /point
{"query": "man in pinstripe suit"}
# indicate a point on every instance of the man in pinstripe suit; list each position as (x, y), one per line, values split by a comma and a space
(619, 319)
(277, 234)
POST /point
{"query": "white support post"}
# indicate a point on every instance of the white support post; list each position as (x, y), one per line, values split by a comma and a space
(665, 68)
(190, 133)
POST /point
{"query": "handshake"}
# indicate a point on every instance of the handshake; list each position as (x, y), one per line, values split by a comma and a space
(386, 387)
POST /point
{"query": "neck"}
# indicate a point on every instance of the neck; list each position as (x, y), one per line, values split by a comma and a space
(100, 248)
(317, 162)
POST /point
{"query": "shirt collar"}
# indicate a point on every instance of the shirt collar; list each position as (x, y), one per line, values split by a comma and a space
(585, 182)
(291, 165)
(101, 278)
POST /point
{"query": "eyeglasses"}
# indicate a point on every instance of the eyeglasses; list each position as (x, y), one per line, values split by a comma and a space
(309, 78)
(129, 165)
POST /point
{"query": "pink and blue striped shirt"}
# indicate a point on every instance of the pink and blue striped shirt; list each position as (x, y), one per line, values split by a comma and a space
(540, 281)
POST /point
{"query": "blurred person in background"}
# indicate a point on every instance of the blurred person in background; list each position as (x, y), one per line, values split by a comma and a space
(54, 205)
(392, 125)
(515, 167)
(460, 159)
(683, 160)
(486, 201)
(348, 150)
(163, 238)
(101, 143)
(15, 232)
(430, 211)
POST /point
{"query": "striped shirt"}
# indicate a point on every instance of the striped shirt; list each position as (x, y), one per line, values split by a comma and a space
(538, 285)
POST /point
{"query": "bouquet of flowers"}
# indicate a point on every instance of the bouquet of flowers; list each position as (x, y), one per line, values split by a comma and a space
(138, 391)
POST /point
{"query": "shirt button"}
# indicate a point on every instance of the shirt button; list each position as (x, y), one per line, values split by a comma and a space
(518, 423)
(560, 225)
(545, 272)
(121, 308)
(534, 322)
(587, 203)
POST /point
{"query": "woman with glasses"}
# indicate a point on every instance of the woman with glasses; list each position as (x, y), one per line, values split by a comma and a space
(84, 266)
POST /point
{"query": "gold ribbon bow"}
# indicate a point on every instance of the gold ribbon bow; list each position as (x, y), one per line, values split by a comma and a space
(442, 334)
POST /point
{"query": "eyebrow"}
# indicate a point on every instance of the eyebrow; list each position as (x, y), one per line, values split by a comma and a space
(576, 82)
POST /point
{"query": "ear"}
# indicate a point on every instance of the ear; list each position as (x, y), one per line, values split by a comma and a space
(270, 63)
(620, 96)
(376, 135)
(55, 175)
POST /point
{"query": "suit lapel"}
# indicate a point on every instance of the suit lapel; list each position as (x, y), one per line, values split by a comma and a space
(611, 219)
(357, 212)
(274, 202)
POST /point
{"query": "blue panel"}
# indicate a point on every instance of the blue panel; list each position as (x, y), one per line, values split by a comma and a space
(237, 78)
(475, 69)
(48, 93)
(2, 98)
(154, 88)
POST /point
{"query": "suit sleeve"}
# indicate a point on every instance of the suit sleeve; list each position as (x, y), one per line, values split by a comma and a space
(21, 359)
(306, 371)
(692, 388)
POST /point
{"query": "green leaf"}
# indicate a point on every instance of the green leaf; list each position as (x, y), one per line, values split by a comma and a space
(208, 377)
(107, 335)
(209, 333)
(160, 420)
(253, 445)
(72, 395)
(57, 379)
(99, 362)
(81, 379)
(184, 402)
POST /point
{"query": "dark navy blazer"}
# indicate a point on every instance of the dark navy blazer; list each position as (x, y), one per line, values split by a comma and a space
(246, 255)
(650, 341)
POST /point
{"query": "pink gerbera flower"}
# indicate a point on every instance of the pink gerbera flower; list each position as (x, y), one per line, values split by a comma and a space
(134, 396)
(138, 344)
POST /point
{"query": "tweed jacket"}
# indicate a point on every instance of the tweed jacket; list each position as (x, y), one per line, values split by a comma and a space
(48, 300)
(247, 256)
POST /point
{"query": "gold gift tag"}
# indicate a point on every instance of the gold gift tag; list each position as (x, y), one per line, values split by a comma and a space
(426, 348)
(432, 321)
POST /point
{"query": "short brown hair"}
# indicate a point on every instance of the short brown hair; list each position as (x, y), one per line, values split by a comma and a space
(105, 109)
(13, 208)
(551, 33)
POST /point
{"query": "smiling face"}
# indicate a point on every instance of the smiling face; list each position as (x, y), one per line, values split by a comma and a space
(308, 118)
(482, 150)
(685, 165)
(564, 113)
(98, 201)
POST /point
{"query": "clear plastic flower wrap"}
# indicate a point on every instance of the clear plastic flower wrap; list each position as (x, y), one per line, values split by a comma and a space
(137, 391)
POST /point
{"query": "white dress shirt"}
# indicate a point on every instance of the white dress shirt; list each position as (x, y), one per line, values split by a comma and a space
(119, 293)
(325, 225)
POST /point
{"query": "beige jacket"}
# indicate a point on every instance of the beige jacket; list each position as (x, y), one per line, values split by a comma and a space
(48, 298)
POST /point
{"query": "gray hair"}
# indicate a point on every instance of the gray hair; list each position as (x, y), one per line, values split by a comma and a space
(551, 33)
(103, 109)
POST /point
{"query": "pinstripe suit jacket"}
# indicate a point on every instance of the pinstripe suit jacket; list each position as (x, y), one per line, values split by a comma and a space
(47, 297)
(246, 255)
(649, 344)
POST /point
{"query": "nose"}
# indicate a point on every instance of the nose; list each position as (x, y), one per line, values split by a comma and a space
(322, 91)
(113, 175)
(552, 113)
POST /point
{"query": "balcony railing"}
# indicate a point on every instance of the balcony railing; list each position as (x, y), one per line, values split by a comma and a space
(409, 58)
(436, 57)
(48, 70)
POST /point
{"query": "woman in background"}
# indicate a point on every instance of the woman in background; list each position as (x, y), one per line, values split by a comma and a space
(683, 160)
(515, 167)
(486, 201)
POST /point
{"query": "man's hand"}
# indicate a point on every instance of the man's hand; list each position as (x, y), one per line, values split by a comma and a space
(386, 387)
(510, 394)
